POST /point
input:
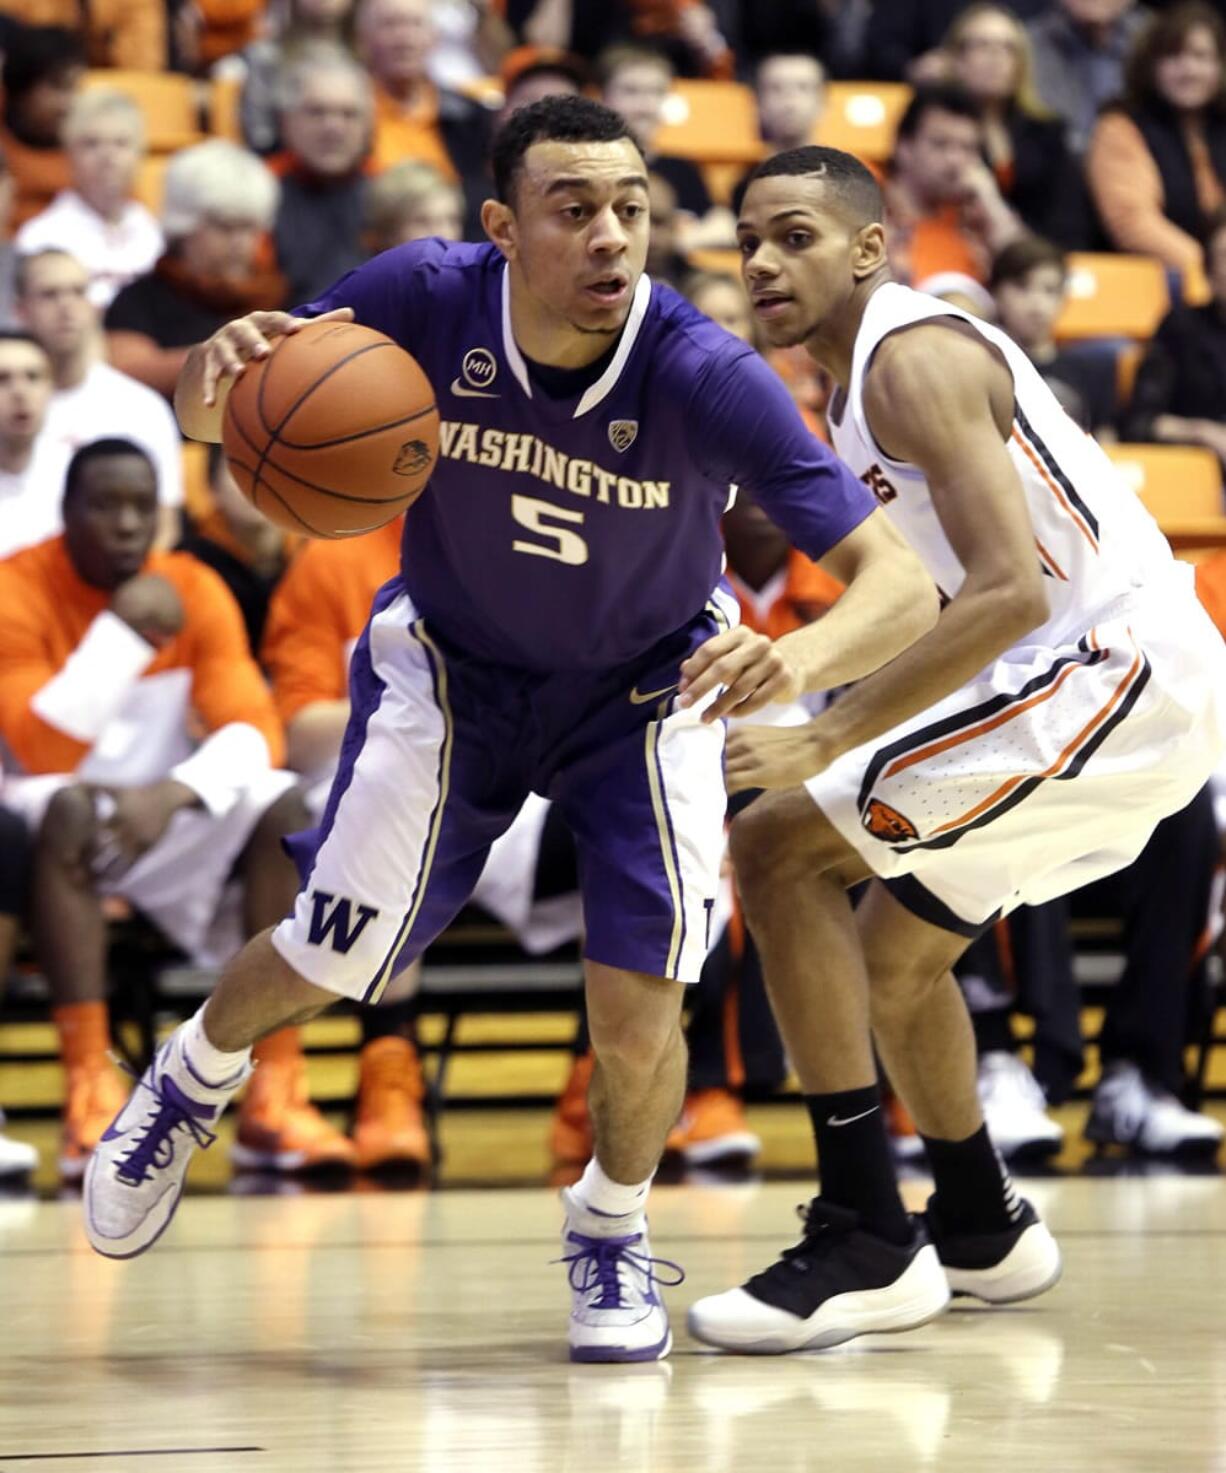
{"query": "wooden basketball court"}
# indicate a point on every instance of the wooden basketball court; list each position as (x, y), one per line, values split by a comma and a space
(424, 1331)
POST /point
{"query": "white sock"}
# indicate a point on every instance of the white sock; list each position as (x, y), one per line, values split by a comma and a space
(600, 1193)
(213, 1067)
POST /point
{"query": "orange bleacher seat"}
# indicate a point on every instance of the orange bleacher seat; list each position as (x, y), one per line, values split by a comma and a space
(225, 94)
(151, 181)
(710, 122)
(167, 100)
(1113, 296)
(862, 117)
(722, 263)
(1182, 487)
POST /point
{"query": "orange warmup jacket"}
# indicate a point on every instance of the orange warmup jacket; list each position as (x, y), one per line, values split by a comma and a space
(80, 691)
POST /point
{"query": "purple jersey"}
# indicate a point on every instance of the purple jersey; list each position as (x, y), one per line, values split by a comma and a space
(576, 533)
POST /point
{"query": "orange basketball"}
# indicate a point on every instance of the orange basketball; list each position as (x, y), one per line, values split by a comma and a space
(334, 433)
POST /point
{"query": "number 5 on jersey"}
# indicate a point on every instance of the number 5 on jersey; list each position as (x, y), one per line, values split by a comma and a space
(557, 542)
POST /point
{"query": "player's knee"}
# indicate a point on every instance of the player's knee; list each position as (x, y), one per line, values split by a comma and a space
(635, 1045)
(905, 986)
(779, 839)
(69, 826)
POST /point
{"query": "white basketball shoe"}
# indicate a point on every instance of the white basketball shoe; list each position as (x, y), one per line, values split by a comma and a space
(616, 1313)
(135, 1175)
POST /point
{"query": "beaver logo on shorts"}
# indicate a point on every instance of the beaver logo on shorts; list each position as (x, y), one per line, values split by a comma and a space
(887, 824)
(412, 459)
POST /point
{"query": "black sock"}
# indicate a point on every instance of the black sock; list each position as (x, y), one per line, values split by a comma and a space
(393, 1020)
(975, 1194)
(853, 1155)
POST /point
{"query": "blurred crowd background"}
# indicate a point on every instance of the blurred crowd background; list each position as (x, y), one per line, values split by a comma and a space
(1055, 166)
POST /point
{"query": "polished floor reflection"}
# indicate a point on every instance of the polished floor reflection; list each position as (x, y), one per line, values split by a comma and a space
(420, 1331)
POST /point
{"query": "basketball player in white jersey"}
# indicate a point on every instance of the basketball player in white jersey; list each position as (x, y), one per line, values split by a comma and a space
(1068, 698)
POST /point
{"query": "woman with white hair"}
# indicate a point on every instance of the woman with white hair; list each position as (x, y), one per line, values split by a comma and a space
(220, 202)
(113, 235)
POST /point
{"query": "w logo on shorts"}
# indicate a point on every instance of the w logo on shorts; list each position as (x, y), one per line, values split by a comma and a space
(337, 926)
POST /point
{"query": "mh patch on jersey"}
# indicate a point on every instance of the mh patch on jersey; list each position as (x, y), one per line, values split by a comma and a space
(887, 824)
(623, 433)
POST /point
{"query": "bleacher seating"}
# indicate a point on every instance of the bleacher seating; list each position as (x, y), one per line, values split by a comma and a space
(1182, 486)
(168, 101)
(1113, 296)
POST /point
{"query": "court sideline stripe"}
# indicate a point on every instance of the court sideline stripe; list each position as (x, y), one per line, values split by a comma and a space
(126, 1452)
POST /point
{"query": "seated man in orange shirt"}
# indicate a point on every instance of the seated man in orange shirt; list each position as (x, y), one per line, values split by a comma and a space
(149, 745)
(943, 209)
(414, 119)
(317, 613)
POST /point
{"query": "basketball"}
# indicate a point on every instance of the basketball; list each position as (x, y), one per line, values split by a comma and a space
(334, 433)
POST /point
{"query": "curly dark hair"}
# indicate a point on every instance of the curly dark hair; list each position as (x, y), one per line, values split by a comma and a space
(563, 119)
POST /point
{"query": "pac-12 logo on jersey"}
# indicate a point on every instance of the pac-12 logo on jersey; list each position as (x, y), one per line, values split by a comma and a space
(879, 484)
(477, 372)
(623, 433)
(336, 926)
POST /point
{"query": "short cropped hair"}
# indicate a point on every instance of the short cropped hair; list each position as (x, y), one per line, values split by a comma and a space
(99, 102)
(216, 178)
(315, 58)
(945, 97)
(37, 53)
(1022, 256)
(105, 449)
(563, 119)
(395, 193)
(842, 173)
(19, 335)
(28, 259)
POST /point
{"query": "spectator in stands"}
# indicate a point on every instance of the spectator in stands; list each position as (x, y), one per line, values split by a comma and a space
(414, 119)
(205, 32)
(665, 258)
(724, 300)
(31, 474)
(8, 252)
(149, 745)
(117, 33)
(1157, 160)
(92, 399)
(835, 31)
(634, 81)
(530, 73)
(944, 210)
(326, 125)
(473, 39)
(906, 40)
(1179, 396)
(1080, 50)
(410, 202)
(41, 72)
(790, 93)
(1029, 282)
(113, 235)
(300, 24)
(692, 33)
(17, 1159)
(246, 551)
(1039, 176)
(220, 202)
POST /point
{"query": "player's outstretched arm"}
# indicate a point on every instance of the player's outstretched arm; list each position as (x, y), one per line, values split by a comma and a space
(213, 366)
(944, 403)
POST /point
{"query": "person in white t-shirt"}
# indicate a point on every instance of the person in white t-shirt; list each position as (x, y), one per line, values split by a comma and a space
(31, 475)
(112, 234)
(93, 400)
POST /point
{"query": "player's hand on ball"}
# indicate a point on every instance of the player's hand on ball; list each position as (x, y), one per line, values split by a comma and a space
(749, 666)
(236, 344)
(772, 757)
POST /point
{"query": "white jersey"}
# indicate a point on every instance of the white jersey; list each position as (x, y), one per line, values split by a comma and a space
(1094, 540)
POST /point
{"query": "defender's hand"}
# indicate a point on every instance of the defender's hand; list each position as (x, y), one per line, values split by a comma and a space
(232, 347)
(750, 667)
(772, 757)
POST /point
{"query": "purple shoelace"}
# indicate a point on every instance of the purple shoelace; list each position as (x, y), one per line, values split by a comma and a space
(597, 1262)
(156, 1149)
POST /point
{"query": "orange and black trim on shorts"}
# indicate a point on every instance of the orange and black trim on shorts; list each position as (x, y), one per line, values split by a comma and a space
(967, 726)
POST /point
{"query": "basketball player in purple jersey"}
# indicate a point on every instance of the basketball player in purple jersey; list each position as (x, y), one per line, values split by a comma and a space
(558, 574)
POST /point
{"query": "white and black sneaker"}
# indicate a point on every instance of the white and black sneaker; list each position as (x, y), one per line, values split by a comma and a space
(1000, 1268)
(1128, 1110)
(839, 1281)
